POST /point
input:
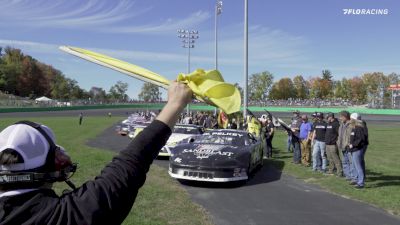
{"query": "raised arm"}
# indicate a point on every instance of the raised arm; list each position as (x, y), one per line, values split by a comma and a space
(109, 198)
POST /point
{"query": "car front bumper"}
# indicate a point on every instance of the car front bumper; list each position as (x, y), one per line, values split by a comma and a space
(208, 174)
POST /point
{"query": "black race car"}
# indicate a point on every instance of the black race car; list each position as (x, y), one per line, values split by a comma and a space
(217, 156)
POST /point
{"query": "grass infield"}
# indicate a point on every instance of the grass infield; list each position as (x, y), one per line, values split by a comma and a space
(382, 169)
(163, 201)
(160, 201)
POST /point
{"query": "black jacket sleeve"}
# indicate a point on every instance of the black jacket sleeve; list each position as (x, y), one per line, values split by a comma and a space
(109, 198)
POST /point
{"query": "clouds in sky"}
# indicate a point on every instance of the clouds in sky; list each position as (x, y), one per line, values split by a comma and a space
(97, 15)
(144, 32)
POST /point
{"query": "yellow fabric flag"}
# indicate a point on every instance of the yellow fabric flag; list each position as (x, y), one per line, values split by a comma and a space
(253, 126)
(207, 86)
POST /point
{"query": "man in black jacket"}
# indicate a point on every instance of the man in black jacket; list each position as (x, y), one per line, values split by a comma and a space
(332, 152)
(358, 141)
(105, 200)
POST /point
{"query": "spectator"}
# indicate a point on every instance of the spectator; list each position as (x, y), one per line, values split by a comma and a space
(305, 137)
(343, 143)
(331, 137)
(80, 118)
(269, 136)
(318, 140)
(358, 116)
(207, 122)
(295, 131)
(188, 120)
(356, 148)
(234, 124)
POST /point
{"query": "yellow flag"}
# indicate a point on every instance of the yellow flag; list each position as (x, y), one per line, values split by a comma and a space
(207, 86)
(210, 87)
(253, 126)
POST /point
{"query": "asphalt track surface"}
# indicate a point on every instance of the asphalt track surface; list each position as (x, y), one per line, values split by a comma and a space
(270, 197)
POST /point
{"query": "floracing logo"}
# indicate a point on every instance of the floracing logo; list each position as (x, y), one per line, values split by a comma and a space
(205, 151)
(365, 11)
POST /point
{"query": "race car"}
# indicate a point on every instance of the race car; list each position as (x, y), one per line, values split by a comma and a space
(217, 156)
(124, 129)
(181, 134)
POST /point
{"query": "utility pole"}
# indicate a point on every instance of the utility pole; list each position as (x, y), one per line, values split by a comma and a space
(246, 58)
(218, 11)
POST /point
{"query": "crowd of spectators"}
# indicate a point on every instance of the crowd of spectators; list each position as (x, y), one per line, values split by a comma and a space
(305, 103)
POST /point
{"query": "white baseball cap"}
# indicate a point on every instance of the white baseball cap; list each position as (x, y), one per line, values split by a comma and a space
(29, 143)
(355, 116)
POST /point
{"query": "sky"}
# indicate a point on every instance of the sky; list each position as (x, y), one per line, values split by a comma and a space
(286, 37)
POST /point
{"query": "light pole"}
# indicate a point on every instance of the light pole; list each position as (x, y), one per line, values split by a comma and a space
(218, 11)
(188, 39)
(246, 57)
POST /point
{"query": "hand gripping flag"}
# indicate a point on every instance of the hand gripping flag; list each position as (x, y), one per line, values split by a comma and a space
(207, 86)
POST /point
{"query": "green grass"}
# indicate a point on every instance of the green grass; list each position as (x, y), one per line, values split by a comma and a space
(160, 201)
(382, 165)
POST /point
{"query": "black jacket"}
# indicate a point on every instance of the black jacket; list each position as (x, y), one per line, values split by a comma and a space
(358, 138)
(105, 200)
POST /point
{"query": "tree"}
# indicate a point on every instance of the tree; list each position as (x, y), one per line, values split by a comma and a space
(98, 94)
(259, 85)
(321, 87)
(25, 76)
(300, 86)
(31, 81)
(60, 87)
(376, 85)
(283, 89)
(315, 87)
(326, 83)
(13, 56)
(358, 91)
(394, 78)
(10, 69)
(150, 93)
(326, 75)
(118, 91)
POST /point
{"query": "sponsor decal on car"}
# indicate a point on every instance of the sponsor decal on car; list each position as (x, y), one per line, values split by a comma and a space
(205, 151)
(178, 160)
(223, 133)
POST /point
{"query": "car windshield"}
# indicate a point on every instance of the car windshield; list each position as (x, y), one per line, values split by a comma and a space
(220, 139)
(186, 130)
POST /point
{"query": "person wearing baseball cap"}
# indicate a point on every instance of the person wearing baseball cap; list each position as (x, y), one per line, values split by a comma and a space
(357, 117)
(30, 162)
(357, 145)
(319, 147)
(332, 152)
